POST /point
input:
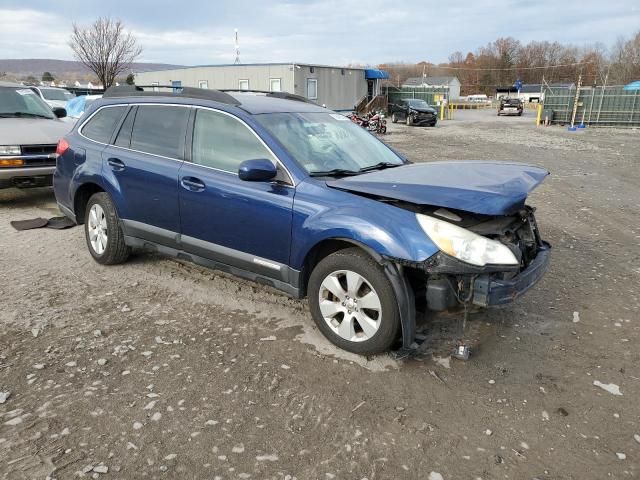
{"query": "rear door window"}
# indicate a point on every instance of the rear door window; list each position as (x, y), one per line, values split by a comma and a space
(160, 130)
(101, 126)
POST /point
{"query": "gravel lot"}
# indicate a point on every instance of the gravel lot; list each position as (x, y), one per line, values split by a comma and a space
(159, 369)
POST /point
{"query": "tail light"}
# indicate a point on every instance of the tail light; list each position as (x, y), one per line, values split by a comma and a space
(63, 146)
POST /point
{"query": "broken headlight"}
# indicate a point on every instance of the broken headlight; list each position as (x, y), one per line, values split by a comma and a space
(464, 244)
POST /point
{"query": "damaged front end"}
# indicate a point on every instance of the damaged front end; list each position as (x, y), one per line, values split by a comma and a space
(447, 283)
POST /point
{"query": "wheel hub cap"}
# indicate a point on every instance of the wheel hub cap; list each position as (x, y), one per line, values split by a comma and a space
(350, 305)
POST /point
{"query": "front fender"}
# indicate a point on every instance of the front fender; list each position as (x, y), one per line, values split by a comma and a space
(322, 213)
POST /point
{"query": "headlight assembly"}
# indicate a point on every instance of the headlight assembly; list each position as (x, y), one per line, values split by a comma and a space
(10, 150)
(464, 244)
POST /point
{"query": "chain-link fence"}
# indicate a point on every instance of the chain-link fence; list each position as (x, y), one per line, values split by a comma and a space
(596, 106)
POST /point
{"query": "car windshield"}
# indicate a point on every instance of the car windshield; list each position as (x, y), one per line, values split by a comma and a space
(56, 94)
(327, 142)
(418, 103)
(22, 102)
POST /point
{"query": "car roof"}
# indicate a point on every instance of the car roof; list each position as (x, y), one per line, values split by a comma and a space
(252, 102)
(256, 103)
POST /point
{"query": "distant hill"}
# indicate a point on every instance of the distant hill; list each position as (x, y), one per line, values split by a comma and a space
(64, 69)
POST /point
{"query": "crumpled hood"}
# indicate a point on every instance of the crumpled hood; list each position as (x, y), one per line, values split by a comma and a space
(32, 131)
(488, 188)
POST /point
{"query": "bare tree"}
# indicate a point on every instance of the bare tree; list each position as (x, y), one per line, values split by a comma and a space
(105, 48)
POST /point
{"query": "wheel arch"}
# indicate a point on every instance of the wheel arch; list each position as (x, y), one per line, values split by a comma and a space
(81, 198)
(326, 247)
(394, 272)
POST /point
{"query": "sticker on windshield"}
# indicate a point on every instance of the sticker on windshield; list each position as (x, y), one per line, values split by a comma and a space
(25, 91)
(337, 116)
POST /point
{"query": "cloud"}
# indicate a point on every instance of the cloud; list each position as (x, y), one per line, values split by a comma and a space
(315, 31)
(32, 34)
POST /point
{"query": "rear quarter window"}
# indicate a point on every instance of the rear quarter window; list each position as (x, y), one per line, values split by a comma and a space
(101, 126)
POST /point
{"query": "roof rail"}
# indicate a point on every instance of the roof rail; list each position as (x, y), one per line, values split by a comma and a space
(175, 91)
(283, 95)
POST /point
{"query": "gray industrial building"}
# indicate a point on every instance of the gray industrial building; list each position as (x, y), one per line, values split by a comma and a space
(338, 88)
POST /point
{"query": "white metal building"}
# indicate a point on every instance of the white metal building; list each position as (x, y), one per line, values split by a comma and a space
(338, 88)
(436, 82)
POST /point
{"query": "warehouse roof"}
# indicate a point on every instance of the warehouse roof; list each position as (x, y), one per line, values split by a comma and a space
(443, 80)
(268, 64)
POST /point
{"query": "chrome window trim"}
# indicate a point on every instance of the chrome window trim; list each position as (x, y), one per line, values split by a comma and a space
(278, 161)
(291, 183)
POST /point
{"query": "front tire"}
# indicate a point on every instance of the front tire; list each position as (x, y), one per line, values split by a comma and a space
(409, 120)
(394, 118)
(353, 302)
(105, 239)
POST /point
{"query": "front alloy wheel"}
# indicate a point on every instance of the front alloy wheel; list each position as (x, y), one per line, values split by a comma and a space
(350, 306)
(353, 302)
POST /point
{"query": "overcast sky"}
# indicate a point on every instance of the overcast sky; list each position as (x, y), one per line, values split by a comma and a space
(314, 31)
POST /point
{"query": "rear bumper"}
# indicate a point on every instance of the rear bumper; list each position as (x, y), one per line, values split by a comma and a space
(26, 176)
(488, 292)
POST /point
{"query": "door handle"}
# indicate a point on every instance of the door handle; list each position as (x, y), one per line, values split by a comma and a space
(116, 164)
(192, 184)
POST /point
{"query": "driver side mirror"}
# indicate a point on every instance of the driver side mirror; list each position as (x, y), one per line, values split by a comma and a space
(259, 170)
(60, 112)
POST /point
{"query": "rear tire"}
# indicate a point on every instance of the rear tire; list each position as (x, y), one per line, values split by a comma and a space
(104, 236)
(353, 303)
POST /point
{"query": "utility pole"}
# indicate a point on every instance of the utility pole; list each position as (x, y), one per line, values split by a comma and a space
(237, 61)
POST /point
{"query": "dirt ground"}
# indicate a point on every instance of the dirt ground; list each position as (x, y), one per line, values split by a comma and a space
(159, 369)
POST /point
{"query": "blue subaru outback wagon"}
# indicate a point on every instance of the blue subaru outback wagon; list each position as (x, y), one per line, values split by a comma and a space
(273, 188)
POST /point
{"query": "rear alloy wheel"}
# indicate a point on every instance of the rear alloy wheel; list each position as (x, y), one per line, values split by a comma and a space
(97, 229)
(102, 231)
(353, 303)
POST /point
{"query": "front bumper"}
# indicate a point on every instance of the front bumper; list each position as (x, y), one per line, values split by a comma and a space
(425, 119)
(488, 292)
(484, 286)
(26, 176)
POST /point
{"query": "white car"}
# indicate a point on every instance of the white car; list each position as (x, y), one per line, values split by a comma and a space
(53, 96)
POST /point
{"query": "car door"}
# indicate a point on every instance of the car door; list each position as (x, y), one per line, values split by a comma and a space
(239, 223)
(404, 109)
(143, 164)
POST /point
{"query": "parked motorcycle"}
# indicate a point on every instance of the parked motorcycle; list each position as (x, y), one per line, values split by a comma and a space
(377, 124)
(373, 123)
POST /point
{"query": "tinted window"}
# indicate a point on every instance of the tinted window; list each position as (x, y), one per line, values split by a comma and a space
(160, 130)
(124, 136)
(223, 142)
(102, 124)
